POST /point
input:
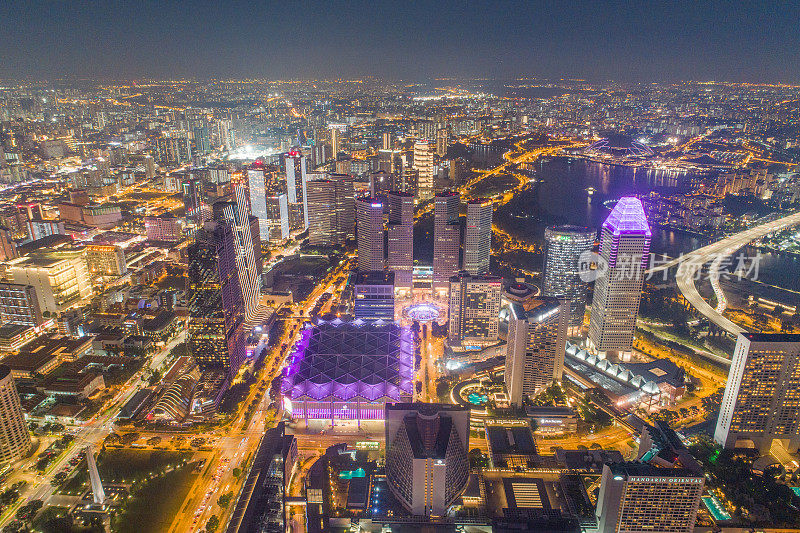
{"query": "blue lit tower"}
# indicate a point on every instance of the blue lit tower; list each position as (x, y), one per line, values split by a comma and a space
(624, 246)
(563, 248)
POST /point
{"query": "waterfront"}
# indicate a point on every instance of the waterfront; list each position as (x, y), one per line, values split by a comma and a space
(559, 196)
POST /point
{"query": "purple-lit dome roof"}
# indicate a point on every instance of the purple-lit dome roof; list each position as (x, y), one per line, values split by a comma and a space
(370, 359)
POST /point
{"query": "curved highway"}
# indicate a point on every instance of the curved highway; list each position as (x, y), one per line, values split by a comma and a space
(690, 264)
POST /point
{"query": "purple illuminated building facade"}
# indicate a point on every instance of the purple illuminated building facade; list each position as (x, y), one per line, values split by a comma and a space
(349, 370)
(624, 247)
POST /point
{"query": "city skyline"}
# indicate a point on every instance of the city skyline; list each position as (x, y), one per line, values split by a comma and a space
(399, 266)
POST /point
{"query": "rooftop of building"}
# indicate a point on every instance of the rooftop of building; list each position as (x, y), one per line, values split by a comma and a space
(56, 345)
(536, 309)
(49, 241)
(570, 230)
(628, 216)
(635, 468)
(9, 330)
(772, 337)
(517, 440)
(374, 277)
(372, 359)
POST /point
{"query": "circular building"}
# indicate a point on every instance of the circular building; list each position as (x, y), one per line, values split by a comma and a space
(15, 441)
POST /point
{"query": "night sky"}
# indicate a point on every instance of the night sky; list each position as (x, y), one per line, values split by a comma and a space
(627, 41)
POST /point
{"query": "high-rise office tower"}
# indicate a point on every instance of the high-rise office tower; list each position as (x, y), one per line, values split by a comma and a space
(277, 218)
(15, 441)
(427, 467)
(762, 396)
(537, 337)
(642, 497)
(236, 214)
(474, 309)
(296, 182)
(563, 248)
(478, 236)
(446, 238)
(387, 140)
(401, 237)
(321, 215)
(216, 336)
(335, 143)
(369, 227)
(442, 141)
(331, 205)
(256, 181)
(345, 205)
(423, 163)
(624, 245)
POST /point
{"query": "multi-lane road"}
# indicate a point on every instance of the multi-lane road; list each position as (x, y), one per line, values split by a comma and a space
(89, 434)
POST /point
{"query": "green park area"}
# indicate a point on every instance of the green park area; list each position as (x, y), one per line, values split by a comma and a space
(157, 483)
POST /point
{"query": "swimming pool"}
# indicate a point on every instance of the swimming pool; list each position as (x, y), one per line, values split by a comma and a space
(715, 508)
(477, 399)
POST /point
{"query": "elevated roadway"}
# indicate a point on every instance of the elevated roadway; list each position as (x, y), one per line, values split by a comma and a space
(689, 267)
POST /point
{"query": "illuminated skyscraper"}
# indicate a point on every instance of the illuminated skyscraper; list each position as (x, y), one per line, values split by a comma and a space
(474, 309)
(15, 441)
(478, 236)
(296, 182)
(642, 497)
(369, 226)
(762, 396)
(624, 245)
(427, 466)
(442, 141)
(401, 237)
(387, 140)
(235, 213)
(277, 218)
(423, 163)
(446, 238)
(331, 206)
(537, 337)
(563, 248)
(216, 302)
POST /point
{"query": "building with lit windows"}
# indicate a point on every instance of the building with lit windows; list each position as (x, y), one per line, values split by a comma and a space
(61, 279)
(478, 236)
(15, 441)
(331, 211)
(427, 467)
(348, 371)
(637, 497)
(369, 228)
(761, 402)
(163, 228)
(624, 246)
(474, 310)
(19, 305)
(401, 237)
(106, 260)
(216, 336)
(563, 248)
(446, 238)
(373, 293)
(296, 182)
(537, 336)
(235, 213)
(424, 165)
